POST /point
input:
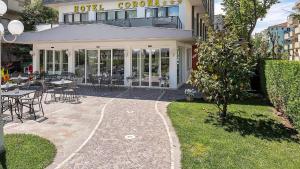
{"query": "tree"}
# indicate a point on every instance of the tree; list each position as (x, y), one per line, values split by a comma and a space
(261, 46)
(224, 69)
(242, 16)
(36, 13)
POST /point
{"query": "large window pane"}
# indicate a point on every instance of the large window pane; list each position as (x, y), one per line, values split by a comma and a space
(105, 62)
(77, 17)
(136, 65)
(92, 64)
(84, 17)
(120, 15)
(101, 16)
(111, 15)
(80, 64)
(64, 61)
(68, 18)
(151, 12)
(162, 12)
(50, 61)
(155, 66)
(42, 61)
(131, 14)
(173, 11)
(57, 62)
(145, 67)
(118, 66)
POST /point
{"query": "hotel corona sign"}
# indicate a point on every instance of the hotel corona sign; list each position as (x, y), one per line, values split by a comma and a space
(126, 5)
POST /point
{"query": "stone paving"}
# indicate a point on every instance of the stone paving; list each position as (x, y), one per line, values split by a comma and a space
(110, 130)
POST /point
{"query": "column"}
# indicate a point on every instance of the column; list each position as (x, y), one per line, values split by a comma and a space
(173, 68)
(35, 59)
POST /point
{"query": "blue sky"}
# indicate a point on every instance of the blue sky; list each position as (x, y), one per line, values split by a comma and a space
(277, 14)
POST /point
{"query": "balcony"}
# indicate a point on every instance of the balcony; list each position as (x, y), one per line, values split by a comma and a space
(166, 22)
(297, 30)
(292, 33)
(286, 47)
(293, 21)
(291, 46)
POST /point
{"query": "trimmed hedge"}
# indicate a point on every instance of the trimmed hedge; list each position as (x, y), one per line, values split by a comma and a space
(280, 81)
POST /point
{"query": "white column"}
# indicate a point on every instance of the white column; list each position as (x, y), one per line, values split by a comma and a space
(35, 59)
(71, 60)
(173, 68)
(127, 65)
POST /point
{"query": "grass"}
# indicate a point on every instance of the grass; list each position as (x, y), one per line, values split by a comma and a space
(251, 138)
(27, 152)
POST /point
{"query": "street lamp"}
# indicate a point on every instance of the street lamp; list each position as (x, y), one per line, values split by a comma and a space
(16, 28)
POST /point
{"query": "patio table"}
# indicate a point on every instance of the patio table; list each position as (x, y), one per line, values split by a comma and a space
(8, 86)
(61, 82)
(16, 95)
(19, 78)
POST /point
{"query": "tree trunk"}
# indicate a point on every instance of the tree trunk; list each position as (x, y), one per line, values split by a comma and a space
(224, 112)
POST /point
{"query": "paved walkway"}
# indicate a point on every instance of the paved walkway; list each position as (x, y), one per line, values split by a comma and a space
(121, 129)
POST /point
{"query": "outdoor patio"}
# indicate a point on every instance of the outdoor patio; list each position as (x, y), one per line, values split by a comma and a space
(107, 128)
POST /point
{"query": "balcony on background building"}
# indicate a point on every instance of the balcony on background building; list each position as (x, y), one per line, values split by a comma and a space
(297, 30)
(292, 46)
(166, 22)
(292, 33)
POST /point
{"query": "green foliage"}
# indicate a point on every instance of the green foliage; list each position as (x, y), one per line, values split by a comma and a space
(293, 110)
(242, 15)
(36, 13)
(282, 86)
(27, 152)
(224, 69)
(252, 138)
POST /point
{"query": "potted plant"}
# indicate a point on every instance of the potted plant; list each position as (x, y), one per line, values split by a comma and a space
(190, 94)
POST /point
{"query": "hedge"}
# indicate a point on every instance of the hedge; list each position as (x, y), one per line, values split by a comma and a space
(280, 81)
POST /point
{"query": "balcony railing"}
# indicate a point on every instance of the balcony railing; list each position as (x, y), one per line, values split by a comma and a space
(166, 22)
(59, 1)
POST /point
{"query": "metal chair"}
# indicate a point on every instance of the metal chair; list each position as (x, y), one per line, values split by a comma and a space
(30, 102)
(7, 105)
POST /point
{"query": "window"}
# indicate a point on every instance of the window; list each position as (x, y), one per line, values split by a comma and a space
(77, 17)
(101, 16)
(64, 61)
(173, 11)
(162, 12)
(42, 60)
(151, 12)
(68, 18)
(131, 14)
(120, 15)
(111, 15)
(84, 17)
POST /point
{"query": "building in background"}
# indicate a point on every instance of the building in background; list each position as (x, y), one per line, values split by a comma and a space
(219, 22)
(150, 41)
(292, 37)
(276, 35)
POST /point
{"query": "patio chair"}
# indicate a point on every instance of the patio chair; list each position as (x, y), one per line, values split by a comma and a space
(30, 102)
(7, 105)
(71, 92)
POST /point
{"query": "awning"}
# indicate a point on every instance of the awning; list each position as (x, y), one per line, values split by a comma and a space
(102, 32)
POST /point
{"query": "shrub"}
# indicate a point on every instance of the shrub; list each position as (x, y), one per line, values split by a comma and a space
(281, 82)
(293, 110)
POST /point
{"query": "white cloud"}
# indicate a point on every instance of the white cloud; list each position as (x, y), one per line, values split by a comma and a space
(276, 15)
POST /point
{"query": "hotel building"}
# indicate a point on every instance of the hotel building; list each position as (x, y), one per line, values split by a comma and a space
(150, 41)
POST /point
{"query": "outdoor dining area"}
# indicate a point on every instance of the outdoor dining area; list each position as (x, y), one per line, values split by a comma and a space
(29, 92)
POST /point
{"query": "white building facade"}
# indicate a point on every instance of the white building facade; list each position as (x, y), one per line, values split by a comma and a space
(149, 42)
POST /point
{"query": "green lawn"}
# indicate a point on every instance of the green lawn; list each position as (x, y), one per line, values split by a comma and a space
(27, 152)
(253, 137)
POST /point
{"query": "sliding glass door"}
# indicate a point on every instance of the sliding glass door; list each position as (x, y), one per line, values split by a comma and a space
(150, 67)
(106, 62)
(53, 61)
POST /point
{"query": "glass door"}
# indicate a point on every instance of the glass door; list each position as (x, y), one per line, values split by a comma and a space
(105, 62)
(136, 67)
(118, 66)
